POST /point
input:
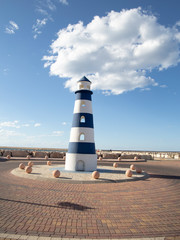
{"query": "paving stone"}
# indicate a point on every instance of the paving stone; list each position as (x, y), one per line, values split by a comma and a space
(13, 236)
(3, 235)
(44, 238)
(23, 237)
(33, 238)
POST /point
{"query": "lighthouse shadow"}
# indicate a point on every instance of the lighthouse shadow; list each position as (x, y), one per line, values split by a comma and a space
(73, 206)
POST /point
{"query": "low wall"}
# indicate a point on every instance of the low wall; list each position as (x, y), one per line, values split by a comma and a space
(103, 154)
(19, 153)
(123, 156)
(35, 154)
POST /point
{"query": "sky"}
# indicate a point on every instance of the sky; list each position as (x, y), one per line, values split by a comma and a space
(128, 49)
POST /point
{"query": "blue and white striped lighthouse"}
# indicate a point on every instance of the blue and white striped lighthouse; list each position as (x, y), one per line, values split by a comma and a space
(81, 155)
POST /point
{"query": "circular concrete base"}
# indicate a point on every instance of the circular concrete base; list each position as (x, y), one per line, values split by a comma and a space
(107, 174)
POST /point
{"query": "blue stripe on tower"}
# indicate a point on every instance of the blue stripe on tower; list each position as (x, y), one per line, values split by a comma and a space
(81, 147)
(83, 94)
(88, 120)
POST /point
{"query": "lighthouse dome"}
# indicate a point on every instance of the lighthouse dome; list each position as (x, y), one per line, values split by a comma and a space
(84, 84)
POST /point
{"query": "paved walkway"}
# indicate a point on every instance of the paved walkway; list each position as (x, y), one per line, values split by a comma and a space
(141, 209)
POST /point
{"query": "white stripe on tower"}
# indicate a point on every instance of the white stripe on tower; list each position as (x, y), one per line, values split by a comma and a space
(81, 106)
(76, 133)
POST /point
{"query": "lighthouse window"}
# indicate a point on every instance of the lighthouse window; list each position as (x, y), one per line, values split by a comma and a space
(88, 87)
(83, 104)
(81, 86)
(82, 137)
(82, 119)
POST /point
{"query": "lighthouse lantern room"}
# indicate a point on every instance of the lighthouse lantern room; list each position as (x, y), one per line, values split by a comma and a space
(81, 155)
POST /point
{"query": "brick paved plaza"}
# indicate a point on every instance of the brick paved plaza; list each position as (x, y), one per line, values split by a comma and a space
(50, 208)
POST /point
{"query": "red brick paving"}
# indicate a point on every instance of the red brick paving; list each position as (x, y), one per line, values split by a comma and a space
(145, 208)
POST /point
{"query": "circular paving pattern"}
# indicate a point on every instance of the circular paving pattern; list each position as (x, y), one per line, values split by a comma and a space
(146, 208)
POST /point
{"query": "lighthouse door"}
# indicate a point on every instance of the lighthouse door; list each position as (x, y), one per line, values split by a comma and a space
(80, 166)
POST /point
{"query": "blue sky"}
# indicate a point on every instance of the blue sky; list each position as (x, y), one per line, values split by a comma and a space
(130, 52)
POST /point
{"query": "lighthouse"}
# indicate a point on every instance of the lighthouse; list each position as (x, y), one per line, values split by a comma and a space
(81, 155)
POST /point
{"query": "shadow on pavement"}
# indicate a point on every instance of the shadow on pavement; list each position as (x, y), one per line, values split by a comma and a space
(3, 159)
(163, 176)
(67, 205)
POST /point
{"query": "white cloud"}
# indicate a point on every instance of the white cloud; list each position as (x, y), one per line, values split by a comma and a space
(7, 133)
(117, 52)
(13, 124)
(163, 86)
(25, 125)
(45, 8)
(50, 5)
(11, 28)
(57, 133)
(5, 71)
(64, 123)
(38, 26)
(145, 89)
(65, 2)
(14, 25)
(37, 124)
(42, 11)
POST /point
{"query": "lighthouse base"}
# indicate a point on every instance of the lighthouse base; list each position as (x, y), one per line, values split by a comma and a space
(81, 162)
